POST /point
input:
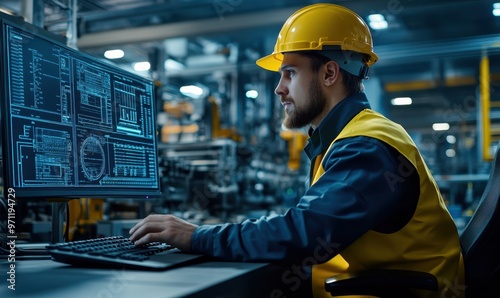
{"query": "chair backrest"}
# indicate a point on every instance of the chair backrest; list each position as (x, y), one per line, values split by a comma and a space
(480, 238)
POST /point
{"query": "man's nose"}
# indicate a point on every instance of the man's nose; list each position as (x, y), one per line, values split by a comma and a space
(280, 88)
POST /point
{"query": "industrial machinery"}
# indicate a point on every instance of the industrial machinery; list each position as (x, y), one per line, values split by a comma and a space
(200, 176)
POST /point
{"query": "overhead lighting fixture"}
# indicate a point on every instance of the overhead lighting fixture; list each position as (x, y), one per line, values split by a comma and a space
(440, 126)
(142, 66)
(450, 153)
(252, 94)
(114, 54)
(451, 139)
(401, 101)
(377, 21)
(496, 9)
(171, 64)
(192, 91)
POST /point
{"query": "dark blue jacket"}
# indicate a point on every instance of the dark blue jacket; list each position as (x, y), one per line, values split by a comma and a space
(360, 203)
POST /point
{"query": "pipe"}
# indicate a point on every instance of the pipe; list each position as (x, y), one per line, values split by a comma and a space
(484, 89)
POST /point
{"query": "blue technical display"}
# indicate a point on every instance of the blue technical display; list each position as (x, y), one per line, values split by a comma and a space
(73, 125)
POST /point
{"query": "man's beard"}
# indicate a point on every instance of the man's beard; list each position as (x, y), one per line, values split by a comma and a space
(304, 115)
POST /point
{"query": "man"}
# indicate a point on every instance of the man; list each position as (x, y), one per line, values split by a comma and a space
(372, 202)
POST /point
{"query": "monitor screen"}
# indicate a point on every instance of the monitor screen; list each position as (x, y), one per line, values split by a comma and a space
(72, 125)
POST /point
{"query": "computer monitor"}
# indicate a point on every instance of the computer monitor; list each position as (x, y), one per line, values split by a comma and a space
(72, 125)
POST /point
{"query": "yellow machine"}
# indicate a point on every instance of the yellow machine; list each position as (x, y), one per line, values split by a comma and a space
(177, 111)
(296, 142)
(83, 213)
(217, 131)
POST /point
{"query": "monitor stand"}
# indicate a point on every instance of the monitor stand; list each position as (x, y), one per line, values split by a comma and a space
(57, 222)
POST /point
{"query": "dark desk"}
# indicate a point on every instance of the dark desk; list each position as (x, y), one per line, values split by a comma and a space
(46, 278)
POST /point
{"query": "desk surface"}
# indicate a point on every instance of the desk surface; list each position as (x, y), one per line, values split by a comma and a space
(46, 278)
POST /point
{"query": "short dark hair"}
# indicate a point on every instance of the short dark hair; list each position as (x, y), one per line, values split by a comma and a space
(351, 82)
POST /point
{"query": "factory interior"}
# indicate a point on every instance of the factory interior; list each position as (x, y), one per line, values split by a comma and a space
(113, 110)
(223, 153)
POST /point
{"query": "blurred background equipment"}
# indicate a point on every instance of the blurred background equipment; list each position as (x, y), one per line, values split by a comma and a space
(222, 152)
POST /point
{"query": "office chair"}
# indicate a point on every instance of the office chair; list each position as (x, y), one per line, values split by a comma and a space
(480, 244)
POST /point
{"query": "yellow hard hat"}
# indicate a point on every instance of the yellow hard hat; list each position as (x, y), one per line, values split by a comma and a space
(323, 27)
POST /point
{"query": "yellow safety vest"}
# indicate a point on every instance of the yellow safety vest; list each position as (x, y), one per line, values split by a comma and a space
(429, 242)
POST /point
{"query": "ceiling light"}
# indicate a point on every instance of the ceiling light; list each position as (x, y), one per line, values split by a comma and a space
(440, 126)
(142, 66)
(450, 153)
(171, 64)
(401, 101)
(376, 17)
(451, 139)
(252, 94)
(377, 21)
(114, 54)
(496, 9)
(191, 91)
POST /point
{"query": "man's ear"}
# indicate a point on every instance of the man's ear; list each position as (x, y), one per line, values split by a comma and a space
(332, 73)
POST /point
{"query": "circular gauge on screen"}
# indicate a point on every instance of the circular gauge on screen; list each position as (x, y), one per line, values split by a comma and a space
(92, 158)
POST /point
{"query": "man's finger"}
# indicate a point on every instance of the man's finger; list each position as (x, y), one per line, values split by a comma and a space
(146, 228)
(149, 218)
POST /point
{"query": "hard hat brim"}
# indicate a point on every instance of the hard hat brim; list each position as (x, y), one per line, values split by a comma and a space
(271, 62)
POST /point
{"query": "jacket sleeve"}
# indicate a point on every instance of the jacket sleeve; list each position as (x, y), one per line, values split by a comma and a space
(356, 193)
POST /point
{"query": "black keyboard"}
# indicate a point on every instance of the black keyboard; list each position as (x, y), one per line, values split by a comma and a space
(118, 251)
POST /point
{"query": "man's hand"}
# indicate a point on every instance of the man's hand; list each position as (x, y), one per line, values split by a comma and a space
(163, 228)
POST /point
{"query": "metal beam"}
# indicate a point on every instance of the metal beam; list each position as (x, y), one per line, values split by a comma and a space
(32, 10)
(183, 29)
(422, 51)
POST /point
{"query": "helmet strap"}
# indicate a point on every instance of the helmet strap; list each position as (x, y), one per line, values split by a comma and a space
(363, 73)
(350, 61)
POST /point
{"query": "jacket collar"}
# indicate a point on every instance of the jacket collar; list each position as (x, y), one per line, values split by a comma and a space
(321, 137)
